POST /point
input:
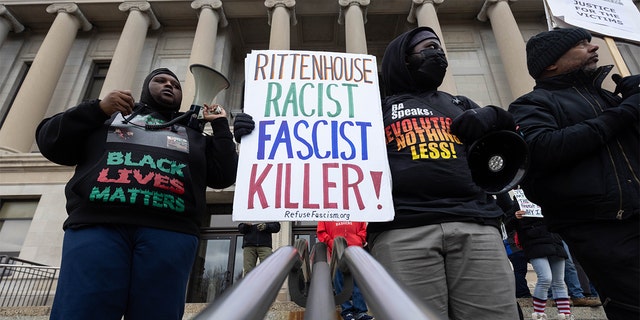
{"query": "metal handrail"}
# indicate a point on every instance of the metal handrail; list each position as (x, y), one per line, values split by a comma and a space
(320, 305)
(300, 278)
(252, 296)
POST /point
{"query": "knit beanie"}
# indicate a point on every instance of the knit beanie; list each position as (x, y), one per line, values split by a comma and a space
(145, 96)
(424, 34)
(545, 48)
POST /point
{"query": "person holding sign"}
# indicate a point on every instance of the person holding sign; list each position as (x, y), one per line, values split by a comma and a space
(585, 161)
(546, 253)
(444, 242)
(135, 201)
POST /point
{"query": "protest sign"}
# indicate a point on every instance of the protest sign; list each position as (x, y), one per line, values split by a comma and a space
(318, 151)
(615, 18)
(531, 209)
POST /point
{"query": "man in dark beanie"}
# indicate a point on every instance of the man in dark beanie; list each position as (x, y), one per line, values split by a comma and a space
(135, 200)
(584, 172)
(444, 243)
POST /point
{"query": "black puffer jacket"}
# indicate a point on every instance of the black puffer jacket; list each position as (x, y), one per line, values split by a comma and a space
(584, 154)
(537, 241)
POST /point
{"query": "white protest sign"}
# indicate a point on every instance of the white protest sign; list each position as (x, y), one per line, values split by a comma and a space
(317, 152)
(531, 209)
(615, 18)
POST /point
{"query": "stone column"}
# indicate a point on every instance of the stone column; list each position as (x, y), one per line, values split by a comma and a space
(126, 57)
(281, 14)
(510, 44)
(354, 18)
(32, 100)
(281, 17)
(210, 16)
(424, 13)
(7, 23)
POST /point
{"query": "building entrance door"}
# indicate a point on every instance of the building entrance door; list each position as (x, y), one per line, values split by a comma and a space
(218, 265)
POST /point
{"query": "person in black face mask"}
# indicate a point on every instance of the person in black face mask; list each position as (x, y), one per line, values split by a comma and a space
(444, 243)
(426, 61)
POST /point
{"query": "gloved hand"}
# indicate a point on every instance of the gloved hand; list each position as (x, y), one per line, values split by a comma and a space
(242, 126)
(618, 118)
(261, 226)
(627, 85)
(473, 124)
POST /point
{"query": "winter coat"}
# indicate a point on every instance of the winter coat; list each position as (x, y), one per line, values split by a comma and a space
(537, 241)
(584, 164)
(256, 238)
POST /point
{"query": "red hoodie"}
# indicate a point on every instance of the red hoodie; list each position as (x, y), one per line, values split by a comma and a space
(354, 232)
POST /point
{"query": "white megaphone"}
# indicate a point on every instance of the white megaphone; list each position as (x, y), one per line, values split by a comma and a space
(208, 83)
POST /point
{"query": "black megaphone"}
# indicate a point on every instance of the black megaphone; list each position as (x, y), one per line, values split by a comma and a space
(498, 161)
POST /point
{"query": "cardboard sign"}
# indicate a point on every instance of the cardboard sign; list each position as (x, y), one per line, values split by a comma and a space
(317, 152)
(531, 209)
(615, 18)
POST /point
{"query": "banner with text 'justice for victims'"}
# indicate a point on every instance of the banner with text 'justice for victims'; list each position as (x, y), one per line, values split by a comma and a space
(317, 152)
(615, 18)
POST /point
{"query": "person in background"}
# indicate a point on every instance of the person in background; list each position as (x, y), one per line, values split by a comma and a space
(136, 199)
(256, 242)
(547, 255)
(355, 233)
(444, 243)
(588, 289)
(516, 255)
(584, 168)
(571, 279)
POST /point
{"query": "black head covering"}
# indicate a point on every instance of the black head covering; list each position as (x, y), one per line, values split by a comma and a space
(421, 36)
(145, 96)
(545, 48)
(396, 77)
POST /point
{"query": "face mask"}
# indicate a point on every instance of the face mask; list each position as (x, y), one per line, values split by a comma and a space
(427, 68)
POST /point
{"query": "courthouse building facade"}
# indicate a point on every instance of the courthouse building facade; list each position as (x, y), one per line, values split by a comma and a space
(54, 54)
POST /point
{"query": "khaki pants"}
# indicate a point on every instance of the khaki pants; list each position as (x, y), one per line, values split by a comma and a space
(251, 256)
(459, 270)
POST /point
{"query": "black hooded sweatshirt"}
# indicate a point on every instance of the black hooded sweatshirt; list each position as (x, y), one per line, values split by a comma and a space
(431, 178)
(126, 174)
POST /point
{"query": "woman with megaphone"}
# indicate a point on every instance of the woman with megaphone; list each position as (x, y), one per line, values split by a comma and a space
(135, 200)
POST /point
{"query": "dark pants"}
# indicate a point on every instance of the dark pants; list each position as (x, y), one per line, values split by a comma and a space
(609, 253)
(519, 262)
(111, 271)
(356, 304)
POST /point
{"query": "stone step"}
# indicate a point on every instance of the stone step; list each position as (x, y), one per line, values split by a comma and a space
(291, 311)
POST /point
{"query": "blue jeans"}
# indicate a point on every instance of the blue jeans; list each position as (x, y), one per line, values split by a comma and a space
(550, 273)
(354, 305)
(459, 270)
(571, 276)
(112, 271)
